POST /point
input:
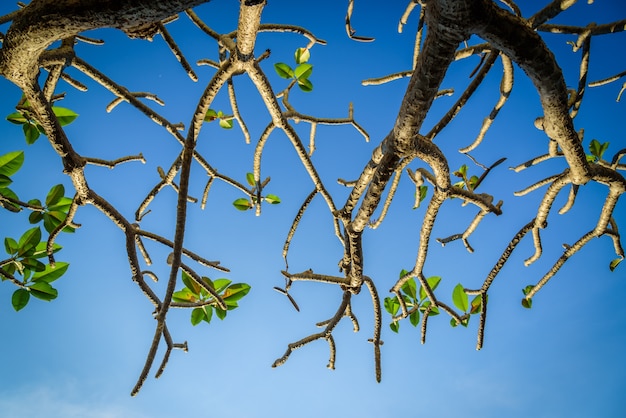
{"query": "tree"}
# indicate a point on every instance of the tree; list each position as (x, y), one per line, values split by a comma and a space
(44, 35)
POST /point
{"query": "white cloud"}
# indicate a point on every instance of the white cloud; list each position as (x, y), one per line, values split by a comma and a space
(60, 401)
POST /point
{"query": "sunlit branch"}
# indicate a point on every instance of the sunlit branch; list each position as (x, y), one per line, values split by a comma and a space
(114, 163)
(349, 29)
(295, 223)
(506, 85)
(326, 334)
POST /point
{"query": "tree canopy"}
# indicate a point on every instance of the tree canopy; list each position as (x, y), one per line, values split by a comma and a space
(187, 177)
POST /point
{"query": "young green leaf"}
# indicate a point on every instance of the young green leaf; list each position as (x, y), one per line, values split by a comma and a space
(226, 123)
(20, 299)
(461, 172)
(395, 326)
(392, 305)
(250, 179)
(242, 204)
(423, 190)
(210, 115)
(527, 289)
(31, 133)
(283, 70)
(477, 305)
(459, 297)
(305, 85)
(415, 318)
(614, 263)
(11, 162)
(64, 116)
(272, 199)
(597, 149)
(303, 71)
(527, 303)
(302, 55)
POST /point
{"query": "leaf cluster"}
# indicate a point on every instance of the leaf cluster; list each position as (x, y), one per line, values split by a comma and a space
(194, 292)
(244, 204)
(31, 127)
(301, 73)
(417, 301)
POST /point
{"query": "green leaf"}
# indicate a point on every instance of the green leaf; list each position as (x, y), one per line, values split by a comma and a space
(459, 297)
(50, 274)
(250, 179)
(303, 71)
(235, 292)
(302, 55)
(242, 204)
(31, 133)
(33, 264)
(5, 181)
(527, 289)
(20, 299)
(410, 288)
(272, 199)
(434, 311)
(35, 217)
(423, 190)
(55, 194)
(220, 284)
(51, 220)
(597, 149)
(190, 283)
(42, 251)
(226, 123)
(29, 240)
(184, 295)
(208, 313)
(527, 303)
(461, 172)
(395, 326)
(11, 162)
(305, 85)
(64, 116)
(476, 305)
(433, 282)
(221, 314)
(10, 245)
(210, 115)
(614, 263)
(63, 205)
(392, 305)
(13, 207)
(197, 315)
(415, 318)
(43, 290)
(17, 118)
(283, 70)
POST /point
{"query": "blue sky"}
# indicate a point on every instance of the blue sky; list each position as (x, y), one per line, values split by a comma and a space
(79, 356)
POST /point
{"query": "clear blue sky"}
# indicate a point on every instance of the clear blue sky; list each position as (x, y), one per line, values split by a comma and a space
(79, 356)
